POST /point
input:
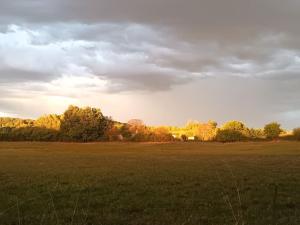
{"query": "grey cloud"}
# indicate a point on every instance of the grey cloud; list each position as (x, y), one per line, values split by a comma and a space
(224, 21)
(147, 81)
(129, 57)
(12, 75)
(170, 33)
(158, 45)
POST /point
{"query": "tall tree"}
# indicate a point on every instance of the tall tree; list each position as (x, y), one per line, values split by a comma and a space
(84, 124)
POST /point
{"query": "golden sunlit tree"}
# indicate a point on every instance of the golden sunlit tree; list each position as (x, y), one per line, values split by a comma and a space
(51, 121)
(272, 130)
(84, 124)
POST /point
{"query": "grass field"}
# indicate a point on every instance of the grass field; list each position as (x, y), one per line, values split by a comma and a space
(132, 183)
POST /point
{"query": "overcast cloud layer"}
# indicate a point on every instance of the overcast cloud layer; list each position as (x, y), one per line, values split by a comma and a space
(164, 61)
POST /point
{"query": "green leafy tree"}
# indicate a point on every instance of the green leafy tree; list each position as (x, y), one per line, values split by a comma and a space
(272, 130)
(229, 135)
(232, 131)
(234, 126)
(84, 124)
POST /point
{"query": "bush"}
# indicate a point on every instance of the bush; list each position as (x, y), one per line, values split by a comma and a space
(272, 130)
(229, 136)
(29, 134)
(296, 133)
(255, 134)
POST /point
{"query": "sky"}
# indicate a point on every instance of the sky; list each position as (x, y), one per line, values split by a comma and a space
(162, 61)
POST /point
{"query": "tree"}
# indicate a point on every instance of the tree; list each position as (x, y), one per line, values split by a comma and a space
(162, 134)
(296, 133)
(256, 134)
(207, 131)
(84, 124)
(232, 131)
(272, 130)
(191, 128)
(15, 122)
(136, 126)
(5, 133)
(49, 121)
(184, 137)
(229, 135)
(138, 130)
(234, 125)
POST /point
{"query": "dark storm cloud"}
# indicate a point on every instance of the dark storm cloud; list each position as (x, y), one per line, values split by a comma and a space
(237, 20)
(158, 45)
(202, 37)
(209, 14)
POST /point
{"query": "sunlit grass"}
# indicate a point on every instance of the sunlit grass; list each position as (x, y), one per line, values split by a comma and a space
(132, 183)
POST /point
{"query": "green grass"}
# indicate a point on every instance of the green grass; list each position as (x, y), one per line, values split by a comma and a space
(132, 183)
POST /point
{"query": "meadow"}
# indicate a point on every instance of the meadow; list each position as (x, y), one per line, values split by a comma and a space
(150, 183)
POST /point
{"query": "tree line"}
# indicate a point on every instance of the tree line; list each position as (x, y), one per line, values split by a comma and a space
(89, 124)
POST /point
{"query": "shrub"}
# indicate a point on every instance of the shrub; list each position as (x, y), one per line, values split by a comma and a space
(256, 134)
(229, 135)
(272, 130)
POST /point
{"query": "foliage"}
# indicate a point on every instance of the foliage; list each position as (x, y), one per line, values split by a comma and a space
(115, 132)
(161, 134)
(184, 137)
(272, 130)
(229, 135)
(137, 128)
(15, 122)
(89, 124)
(28, 134)
(296, 133)
(52, 121)
(232, 131)
(234, 126)
(207, 131)
(255, 134)
(84, 124)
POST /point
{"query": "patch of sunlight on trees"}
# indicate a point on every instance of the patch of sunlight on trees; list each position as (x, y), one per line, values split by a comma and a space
(89, 124)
